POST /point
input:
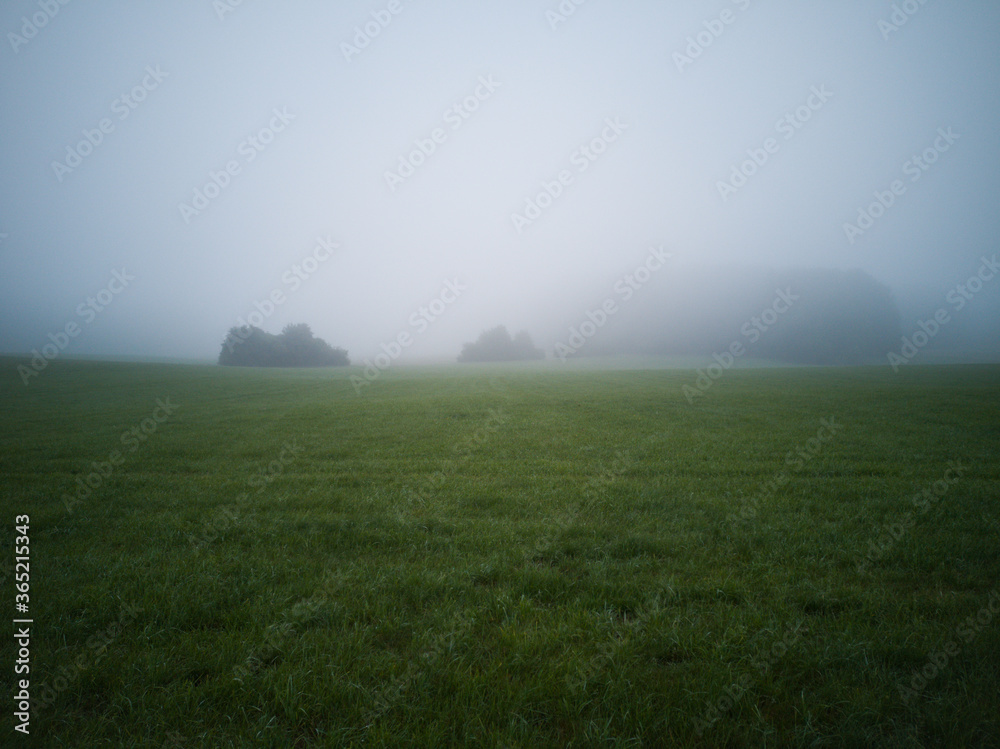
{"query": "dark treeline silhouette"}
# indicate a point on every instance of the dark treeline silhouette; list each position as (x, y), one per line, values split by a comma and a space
(843, 317)
(800, 316)
(497, 345)
(295, 346)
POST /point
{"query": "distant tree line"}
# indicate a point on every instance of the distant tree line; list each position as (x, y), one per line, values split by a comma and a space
(800, 316)
(843, 317)
(496, 345)
(836, 317)
(295, 346)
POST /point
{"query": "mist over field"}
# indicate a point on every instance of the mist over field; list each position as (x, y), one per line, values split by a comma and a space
(168, 172)
(397, 373)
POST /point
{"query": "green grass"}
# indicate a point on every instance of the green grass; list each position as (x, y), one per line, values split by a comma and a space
(505, 557)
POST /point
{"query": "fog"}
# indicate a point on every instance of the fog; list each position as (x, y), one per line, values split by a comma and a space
(171, 170)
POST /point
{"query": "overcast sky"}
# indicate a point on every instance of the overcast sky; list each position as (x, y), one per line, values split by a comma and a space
(229, 141)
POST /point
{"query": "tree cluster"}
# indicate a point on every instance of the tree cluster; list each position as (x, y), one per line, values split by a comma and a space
(844, 317)
(837, 317)
(496, 345)
(295, 346)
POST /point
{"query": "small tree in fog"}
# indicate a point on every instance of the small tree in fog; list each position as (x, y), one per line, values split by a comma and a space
(497, 345)
(296, 346)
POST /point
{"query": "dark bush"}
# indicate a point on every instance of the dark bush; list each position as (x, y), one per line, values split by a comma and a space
(248, 346)
(497, 345)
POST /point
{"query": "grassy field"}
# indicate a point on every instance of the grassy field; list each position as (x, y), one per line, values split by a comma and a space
(506, 557)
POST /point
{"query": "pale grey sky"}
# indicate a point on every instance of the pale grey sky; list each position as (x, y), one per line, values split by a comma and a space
(631, 113)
